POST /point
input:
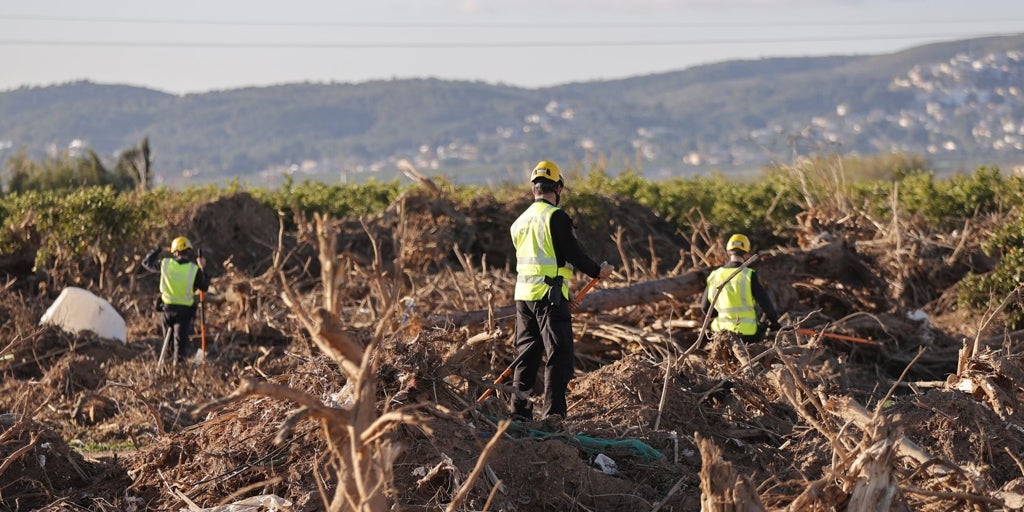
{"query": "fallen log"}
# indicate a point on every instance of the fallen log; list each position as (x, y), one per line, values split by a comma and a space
(681, 287)
(836, 260)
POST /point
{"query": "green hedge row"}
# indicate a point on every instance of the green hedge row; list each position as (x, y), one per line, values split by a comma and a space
(87, 226)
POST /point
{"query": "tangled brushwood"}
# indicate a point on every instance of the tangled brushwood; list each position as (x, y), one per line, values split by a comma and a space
(346, 357)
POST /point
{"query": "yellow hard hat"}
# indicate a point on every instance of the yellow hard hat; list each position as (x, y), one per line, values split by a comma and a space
(738, 242)
(180, 244)
(546, 170)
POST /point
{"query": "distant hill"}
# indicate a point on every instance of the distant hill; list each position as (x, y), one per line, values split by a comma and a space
(960, 104)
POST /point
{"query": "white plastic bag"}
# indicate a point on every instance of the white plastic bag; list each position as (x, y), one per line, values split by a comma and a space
(77, 310)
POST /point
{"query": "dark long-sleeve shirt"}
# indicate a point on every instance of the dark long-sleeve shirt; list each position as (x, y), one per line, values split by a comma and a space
(567, 247)
(152, 263)
(760, 295)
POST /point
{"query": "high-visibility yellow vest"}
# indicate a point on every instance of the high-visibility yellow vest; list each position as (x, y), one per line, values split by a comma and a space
(535, 253)
(176, 280)
(735, 303)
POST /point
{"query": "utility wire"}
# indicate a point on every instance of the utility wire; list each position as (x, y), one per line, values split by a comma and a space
(480, 44)
(508, 25)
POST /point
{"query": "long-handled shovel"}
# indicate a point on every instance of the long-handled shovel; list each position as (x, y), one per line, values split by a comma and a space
(163, 351)
(862, 341)
(202, 319)
(504, 375)
(168, 334)
(579, 296)
(202, 325)
(515, 362)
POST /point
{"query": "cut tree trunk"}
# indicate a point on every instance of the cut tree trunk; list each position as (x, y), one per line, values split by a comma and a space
(682, 287)
(722, 490)
(835, 260)
(876, 487)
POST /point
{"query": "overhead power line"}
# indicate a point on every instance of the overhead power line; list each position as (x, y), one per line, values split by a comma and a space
(492, 25)
(480, 44)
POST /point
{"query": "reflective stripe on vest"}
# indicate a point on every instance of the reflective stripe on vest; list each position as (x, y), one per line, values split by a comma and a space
(535, 253)
(176, 281)
(735, 304)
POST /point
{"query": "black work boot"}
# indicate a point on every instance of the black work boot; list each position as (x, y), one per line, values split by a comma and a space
(522, 415)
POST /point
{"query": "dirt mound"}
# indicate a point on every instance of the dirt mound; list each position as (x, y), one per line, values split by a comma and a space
(40, 468)
(430, 226)
(234, 228)
(241, 447)
(49, 346)
(635, 232)
(963, 429)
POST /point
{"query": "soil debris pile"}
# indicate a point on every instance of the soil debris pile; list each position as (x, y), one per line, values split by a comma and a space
(234, 228)
(334, 361)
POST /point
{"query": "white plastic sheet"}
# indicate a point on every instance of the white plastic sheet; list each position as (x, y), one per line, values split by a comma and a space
(261, 503)
(606, 465)
(77, 310)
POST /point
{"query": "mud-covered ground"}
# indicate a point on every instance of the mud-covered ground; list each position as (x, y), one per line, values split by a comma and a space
(916, 408)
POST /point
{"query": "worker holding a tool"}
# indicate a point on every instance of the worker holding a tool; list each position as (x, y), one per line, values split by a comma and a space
(740, 292)
(180, 276)
(547, 251)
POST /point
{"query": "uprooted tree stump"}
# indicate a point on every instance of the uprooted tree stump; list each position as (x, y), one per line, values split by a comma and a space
(355, 434)
(722, 489)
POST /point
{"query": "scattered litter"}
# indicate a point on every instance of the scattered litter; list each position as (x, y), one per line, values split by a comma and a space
(917, 315)
(606, 465)
(341, 399)
(493, 479)
(261, 503)
(445, 464)
(925, 330)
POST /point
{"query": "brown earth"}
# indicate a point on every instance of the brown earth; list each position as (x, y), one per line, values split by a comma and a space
(915, 417)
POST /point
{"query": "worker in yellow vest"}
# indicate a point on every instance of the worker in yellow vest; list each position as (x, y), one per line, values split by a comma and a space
(734, 308)
(181, 275)
(547, 251)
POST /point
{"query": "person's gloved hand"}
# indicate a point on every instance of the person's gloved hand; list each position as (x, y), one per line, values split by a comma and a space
(775, 325)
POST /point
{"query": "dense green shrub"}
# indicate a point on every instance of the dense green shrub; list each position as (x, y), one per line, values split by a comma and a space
(990, 289)
(338, 200)
(883, 168)
(958, 197)
(763, 208)
(81, 228)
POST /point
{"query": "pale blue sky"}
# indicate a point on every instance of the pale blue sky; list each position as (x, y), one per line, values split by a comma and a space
(186, 46)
